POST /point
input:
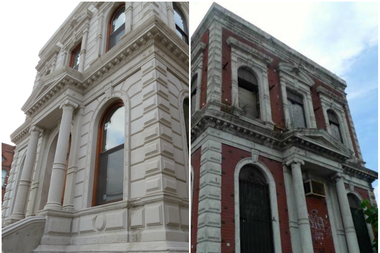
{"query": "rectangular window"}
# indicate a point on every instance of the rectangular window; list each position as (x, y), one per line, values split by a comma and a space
(296, 110)
(75, 57)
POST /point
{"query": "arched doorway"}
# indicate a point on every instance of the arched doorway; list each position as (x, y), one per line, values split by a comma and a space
(255, 211)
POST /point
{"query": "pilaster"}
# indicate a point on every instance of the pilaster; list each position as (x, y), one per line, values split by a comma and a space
(209, 208)
(214, 65)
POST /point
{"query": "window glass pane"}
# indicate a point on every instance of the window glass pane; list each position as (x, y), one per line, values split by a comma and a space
(110, 178)
(119, 20)
(3, 176)
(186, 115)
(114, 129)
(178, 18)
(76, 59)
(335, 131)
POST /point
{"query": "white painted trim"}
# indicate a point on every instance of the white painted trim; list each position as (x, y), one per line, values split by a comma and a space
(301, 85)
(273, 202)
(241, 58)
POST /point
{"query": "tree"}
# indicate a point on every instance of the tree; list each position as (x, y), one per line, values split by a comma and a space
(372, 217)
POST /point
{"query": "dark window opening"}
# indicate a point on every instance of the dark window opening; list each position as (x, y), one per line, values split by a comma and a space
(255, 211)
(249, 100)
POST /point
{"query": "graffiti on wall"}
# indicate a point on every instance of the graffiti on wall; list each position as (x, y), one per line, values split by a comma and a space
(319, 226)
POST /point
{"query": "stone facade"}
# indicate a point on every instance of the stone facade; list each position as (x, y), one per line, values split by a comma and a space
(302, 132)
(54, 171)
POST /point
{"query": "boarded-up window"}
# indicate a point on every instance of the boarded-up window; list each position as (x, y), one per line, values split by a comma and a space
(248, 94)
(296, 110)
(334, 125)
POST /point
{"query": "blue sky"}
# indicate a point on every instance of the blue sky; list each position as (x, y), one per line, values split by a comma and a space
(340, 36)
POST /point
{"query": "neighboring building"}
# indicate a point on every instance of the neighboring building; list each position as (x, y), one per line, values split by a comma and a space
(101, 163)
(276, 163)
(7, 152)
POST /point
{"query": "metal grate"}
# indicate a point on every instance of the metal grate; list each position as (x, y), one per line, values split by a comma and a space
(255, 212)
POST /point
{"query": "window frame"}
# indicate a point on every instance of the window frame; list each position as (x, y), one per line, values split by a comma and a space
(272, 194)
(297, 81)
(109, 27)
(292, 99)
(243, 55)
(111, 108)
(76, 49)
(251, 87)
(185, 34)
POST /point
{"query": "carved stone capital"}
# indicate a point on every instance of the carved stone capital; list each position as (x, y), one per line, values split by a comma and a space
(295, 161)
(36, 129)
(68, 104)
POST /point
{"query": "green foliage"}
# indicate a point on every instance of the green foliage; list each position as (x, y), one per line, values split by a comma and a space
(372, 218)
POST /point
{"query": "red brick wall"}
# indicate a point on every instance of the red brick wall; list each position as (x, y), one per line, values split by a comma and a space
(7, 152)
(196, 164)
(204, 71)
(320, 225)
(230, 157)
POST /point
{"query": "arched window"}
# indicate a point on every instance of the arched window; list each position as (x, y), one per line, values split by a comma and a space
(109, 171)
(186, 115)
(255, 211)
(180, 23)
(334, 125)
(249, 100)
(116, 27)
(360, 224)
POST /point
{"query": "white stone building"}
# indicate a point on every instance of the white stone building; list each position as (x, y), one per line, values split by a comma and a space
(101, 163)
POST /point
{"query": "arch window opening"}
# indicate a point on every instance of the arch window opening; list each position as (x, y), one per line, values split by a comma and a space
(360, 224)
(249, 100)
(109, 173)
(116, 27)
(180, 23)
(255, 211)
(334, 125)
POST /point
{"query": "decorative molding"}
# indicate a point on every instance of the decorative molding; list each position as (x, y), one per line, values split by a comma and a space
(231, 41)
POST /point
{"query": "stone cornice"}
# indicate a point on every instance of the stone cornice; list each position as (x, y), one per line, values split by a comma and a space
(153, 32)
(331, 95)
(21, 132)
(234, 43)
(277, 140)
(252, 33)
(359, 171)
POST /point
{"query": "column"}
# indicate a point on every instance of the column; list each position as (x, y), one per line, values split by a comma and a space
(68, 200)
(59, 165)
(26, 176)
(303, 216)
(349, 228)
